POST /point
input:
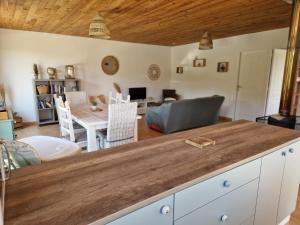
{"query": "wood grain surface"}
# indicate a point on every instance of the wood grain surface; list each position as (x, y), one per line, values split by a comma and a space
(104, 185)
(162, 22)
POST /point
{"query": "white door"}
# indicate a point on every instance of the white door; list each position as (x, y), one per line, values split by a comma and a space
(253, 84)
(276, 79)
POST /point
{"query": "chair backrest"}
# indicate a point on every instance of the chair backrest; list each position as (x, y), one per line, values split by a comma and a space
(118, 98)
(66, 123)
(76, 97)
(121, 121)
(58, 102)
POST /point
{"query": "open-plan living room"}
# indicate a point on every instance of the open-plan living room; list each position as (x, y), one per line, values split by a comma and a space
(154, 112)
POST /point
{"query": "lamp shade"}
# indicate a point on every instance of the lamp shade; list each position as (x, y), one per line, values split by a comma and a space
(98, 28)
(289, 1)
(206, 42)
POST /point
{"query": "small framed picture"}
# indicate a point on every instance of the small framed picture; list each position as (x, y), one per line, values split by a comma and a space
(179, 69)
(199, 62)
(223, 67)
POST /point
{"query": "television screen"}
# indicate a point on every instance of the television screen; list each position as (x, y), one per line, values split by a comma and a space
(137, 93)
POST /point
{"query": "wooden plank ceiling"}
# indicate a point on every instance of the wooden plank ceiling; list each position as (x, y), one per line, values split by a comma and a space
(161, 22)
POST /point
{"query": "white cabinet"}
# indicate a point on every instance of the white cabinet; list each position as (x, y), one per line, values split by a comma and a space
(235, 208)
(272, 167)
(290, 182)
(141, 106)
(261, 192)
(200, 194)
(158, 213)
(278, 187)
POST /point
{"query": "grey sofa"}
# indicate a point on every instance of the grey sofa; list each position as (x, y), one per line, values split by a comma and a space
(184, 114)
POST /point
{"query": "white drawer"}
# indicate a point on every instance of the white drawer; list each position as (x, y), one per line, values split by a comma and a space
(200, 194)
(160, 213)
(235, 208)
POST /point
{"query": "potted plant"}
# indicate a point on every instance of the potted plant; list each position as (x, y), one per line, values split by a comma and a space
(94, 103)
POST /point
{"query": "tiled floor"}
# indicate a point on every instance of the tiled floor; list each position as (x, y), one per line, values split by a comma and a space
(53, 130)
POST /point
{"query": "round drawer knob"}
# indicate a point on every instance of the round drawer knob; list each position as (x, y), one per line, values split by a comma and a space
(291, 150)
(224, 218)
(226, 183)
(283, 153)
(165, 210)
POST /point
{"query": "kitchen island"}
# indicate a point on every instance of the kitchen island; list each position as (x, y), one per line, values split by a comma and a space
(250, 176)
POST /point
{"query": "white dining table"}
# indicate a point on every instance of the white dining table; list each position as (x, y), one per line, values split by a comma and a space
(93, 121)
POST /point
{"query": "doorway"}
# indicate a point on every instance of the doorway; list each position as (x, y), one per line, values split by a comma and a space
(252, 85)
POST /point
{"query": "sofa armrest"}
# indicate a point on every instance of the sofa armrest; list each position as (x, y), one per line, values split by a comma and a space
(157, 117)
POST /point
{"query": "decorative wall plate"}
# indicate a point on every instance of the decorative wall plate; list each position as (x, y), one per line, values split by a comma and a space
(110, 65)
(153, 72)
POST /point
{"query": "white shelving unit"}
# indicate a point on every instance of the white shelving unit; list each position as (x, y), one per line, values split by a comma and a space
(141, 106)
(45, 106)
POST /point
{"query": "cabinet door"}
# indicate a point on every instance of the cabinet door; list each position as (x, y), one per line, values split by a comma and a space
(7, 129)
(160, 213)
(272, 168)
(290, 183)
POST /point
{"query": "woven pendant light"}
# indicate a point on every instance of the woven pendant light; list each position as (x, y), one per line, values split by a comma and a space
(289, 1)
(98, 28)
(206, 42)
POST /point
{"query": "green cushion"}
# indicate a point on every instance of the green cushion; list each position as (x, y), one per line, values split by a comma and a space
(21, 154)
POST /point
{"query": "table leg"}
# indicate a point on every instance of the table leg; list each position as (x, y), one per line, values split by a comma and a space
(136, 131)
(92, 140)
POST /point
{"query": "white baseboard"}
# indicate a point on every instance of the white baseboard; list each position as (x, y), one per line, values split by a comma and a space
(285, 221)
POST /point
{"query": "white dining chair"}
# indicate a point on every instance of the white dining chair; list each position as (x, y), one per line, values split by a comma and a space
(118, 98)
(121, 125)
(76, 97)
(67, 128)
(59, 102)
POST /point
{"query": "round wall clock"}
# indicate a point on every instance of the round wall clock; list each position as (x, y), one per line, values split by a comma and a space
(110, 65)
(153, 72)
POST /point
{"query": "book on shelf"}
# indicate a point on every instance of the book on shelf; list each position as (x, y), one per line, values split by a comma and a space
(58, 89)
(44, 104)
(49, 104)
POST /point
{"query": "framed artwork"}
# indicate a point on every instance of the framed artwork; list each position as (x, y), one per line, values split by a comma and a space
(69, 72)
(199, 62)
(223, 67)
(179, 69)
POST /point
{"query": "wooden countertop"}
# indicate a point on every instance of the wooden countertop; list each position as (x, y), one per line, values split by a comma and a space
(106, 185)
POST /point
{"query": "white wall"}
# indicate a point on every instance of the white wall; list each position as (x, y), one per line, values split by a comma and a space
(20, 49)
(206, 81)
